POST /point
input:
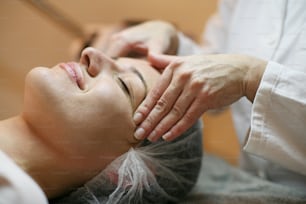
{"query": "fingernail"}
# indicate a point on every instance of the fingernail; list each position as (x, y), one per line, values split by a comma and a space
(152, 136)
(139, 134)
(166, 136)
(137, 118)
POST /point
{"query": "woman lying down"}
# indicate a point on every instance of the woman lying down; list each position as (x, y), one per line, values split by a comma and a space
(73, 142)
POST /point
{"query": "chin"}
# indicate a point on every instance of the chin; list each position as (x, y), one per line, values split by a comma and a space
(41, 94)
(46, 85)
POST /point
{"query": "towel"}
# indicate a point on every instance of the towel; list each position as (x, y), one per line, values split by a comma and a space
(221, 183)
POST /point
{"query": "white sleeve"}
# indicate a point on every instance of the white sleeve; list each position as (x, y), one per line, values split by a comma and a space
(16, 187)
(187, 46)
(278, 123)
(214, 36)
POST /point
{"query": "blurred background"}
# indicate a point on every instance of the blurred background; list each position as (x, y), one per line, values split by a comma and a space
(28, 39)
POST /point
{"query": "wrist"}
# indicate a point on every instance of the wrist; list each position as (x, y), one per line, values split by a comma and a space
(252, 79)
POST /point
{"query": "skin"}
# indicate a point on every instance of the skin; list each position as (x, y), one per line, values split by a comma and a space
(189, 86)
(149, 37)
(71, 129)
(192, 85)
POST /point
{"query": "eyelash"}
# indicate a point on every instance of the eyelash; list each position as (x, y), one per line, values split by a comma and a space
(124, 86)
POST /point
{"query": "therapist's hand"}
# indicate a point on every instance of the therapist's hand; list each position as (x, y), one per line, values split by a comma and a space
(191, 85)
(152, 36)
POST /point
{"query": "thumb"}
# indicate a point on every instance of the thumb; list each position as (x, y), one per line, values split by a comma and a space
(160, 61)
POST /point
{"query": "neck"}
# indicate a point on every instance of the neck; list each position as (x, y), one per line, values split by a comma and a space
(52, 171)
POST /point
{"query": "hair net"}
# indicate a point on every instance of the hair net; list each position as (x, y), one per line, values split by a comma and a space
(159, 172)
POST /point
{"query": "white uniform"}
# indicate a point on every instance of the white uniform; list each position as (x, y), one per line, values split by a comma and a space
(273, 30)
(17, 187)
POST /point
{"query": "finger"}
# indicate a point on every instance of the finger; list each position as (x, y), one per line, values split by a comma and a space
(164, 103)
(178, 110)
(118, 47)
(195, 111)
(161, 61)
(150, 101)
(137, 50)
(154, 94)
(140, 48)
(162, 107)
(157, 46)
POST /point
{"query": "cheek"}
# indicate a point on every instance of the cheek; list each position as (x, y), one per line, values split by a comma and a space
(105, 133)
(117, 130)
(115, 122)
(109, 113)
(151, 77)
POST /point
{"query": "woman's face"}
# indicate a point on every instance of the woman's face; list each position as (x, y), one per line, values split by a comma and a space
(85, 109)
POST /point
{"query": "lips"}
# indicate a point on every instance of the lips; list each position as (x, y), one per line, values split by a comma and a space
(74, 72)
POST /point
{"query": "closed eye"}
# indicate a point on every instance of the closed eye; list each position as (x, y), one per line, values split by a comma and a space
(124, 86)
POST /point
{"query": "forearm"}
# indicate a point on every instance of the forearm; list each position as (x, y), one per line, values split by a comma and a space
(278, 118)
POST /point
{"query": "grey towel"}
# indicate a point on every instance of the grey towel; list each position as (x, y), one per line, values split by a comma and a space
(221, 183)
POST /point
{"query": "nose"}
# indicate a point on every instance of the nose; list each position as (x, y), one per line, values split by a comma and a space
(96, 61)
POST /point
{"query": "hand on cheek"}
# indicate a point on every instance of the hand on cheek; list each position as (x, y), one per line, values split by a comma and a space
(190, 86)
